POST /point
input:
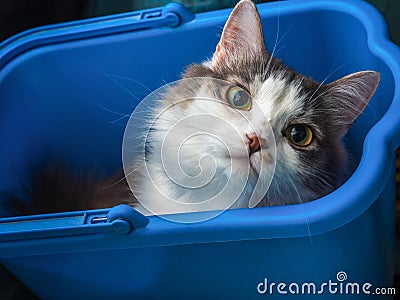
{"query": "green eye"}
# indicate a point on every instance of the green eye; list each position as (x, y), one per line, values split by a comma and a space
(239, 98)
(299, 135)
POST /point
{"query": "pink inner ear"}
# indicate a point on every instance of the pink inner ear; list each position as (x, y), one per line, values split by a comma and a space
(242, 33)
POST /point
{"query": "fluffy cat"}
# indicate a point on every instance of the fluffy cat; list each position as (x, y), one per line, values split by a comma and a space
(302, 160)
(308, 120)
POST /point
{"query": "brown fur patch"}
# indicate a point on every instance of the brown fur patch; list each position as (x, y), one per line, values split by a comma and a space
(58, 189)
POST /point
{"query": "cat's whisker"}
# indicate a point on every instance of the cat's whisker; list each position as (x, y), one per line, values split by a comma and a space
(282, 38)
(122, 86)
(331, 72)
(166, 83)
(134, 81)
(328, 90)
(295, 189)
(317, 175)
(323, 184)
(118, 120)
(266, 200)
(281, 48)
(185, 127)
(275, 44)
(305, 213)
(114, 184)
(123, 116)
(111, 111)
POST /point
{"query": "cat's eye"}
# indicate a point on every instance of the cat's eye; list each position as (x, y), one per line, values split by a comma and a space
(299, 135)
(239, 98)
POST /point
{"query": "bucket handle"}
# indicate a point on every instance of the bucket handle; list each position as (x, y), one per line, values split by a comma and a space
(121, 219)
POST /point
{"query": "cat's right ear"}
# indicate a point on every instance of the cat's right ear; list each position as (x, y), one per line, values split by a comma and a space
(242, 35)
(350, 95)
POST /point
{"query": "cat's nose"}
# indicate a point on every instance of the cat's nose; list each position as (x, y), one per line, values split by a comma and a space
(254, 143)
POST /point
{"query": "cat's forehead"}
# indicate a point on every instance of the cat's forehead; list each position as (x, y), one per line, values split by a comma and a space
(278, 90)
(253, 71)
(279, 98)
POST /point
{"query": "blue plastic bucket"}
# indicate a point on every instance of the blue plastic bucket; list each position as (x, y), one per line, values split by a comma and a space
(63, 90)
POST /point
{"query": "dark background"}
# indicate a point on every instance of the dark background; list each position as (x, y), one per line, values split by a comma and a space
(19, 15)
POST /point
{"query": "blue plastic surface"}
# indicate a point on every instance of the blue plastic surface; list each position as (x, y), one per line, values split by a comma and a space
(67, 90)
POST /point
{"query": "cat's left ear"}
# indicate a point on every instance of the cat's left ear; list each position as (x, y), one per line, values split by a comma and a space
(242, 35)
(350, 95)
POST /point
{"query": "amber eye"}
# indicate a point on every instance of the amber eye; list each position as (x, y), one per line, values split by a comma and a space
(239, 98)
(299, 135)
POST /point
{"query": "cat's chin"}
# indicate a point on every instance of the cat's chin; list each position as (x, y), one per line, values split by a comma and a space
(255, 163)
(244, 160)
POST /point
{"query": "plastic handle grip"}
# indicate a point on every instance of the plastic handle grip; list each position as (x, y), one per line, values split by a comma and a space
(171, 15)
(119, 219)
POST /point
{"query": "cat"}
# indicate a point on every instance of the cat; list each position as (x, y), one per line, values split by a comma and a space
(308, 120)
(268, 136)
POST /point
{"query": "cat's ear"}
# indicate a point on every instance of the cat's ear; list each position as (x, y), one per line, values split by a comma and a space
(350, 95)
(242, 34)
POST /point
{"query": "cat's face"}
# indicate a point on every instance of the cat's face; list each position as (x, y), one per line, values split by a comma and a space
(268, 123)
